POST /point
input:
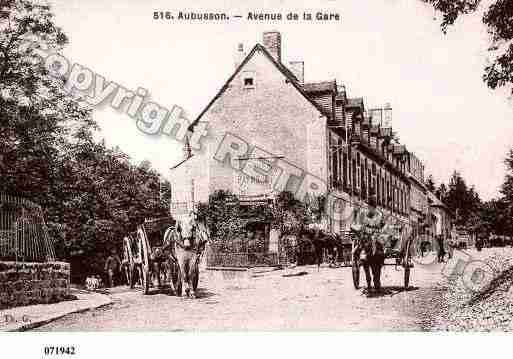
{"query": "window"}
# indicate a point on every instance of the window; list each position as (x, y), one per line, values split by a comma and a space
(248, 82)
(353, 169)
(344, 171)
(248, 79)
(378, 190)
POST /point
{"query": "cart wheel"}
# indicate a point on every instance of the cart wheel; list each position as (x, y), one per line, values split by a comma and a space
(132, 276)
(146, 280)
(128, 273)
(195, 280)
(407, 266)
(128, 260)
(356, 274)
(177, 280)
(145, 265)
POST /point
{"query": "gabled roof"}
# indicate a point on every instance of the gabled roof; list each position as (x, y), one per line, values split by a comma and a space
(323, 86)
(355, 102)
(286, 72)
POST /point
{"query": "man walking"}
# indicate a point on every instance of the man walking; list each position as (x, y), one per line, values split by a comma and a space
(112, 265)
(367, 226)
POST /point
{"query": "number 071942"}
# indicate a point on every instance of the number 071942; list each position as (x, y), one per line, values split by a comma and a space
(59, 350)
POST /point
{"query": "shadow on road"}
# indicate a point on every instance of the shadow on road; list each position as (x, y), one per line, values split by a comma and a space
(388, 291)
(202, 293)
(295, 274)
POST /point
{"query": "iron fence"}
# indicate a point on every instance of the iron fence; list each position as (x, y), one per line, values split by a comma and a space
(23, 233)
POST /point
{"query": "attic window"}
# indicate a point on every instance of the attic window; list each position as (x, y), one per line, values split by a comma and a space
(248, 82)
(248, 79)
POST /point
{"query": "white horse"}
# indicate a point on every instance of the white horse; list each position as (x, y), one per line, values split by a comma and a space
(186, 257)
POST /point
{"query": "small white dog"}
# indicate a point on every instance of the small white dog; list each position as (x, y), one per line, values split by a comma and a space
(93, 283)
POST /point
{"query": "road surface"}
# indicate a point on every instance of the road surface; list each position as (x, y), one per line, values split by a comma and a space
(303, 298)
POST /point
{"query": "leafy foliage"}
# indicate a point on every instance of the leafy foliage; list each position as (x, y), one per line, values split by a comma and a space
(222, 214)
(463, 201)
(506, 202)
(91, 195)
(228, 220)
(289, 214)
(498, 19)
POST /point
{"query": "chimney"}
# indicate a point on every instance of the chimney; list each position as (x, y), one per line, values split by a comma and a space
(298, 69)
(272, 42)
(387, 115)
(239, 55)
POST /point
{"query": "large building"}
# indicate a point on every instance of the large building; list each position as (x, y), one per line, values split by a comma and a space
(419, 205)
(269, 131)
(440, 221)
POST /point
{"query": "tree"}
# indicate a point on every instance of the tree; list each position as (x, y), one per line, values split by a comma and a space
(498, 18)
(441, 191)
(39, 120)
(507, 196)
(464, 202)
(91, 195)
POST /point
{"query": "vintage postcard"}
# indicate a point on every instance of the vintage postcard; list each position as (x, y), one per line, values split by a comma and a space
(284, 166)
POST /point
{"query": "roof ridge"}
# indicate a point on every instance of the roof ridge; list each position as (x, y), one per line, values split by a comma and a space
(280, 66)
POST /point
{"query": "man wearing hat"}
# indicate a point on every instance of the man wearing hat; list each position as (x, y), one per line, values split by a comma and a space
(367, 225)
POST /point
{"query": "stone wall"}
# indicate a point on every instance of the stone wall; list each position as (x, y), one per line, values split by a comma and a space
(23, 283)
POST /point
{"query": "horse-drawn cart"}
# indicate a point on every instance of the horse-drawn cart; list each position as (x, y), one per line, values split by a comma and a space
(398, 256)
(144, 253)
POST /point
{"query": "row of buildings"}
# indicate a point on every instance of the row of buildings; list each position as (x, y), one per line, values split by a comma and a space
(270, 130)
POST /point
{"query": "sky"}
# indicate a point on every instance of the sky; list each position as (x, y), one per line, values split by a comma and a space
(383, 50)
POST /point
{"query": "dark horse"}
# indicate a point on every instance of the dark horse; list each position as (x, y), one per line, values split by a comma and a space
(323, 243)
(186, 257)
(370, 253)
(368, 247)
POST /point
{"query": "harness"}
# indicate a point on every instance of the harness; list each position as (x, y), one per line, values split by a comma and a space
(173, 236)
(367, 237)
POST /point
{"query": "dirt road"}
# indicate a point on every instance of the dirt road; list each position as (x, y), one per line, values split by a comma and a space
(302, 298)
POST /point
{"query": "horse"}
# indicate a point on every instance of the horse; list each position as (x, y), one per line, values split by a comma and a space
(370, 252)
(186, 257)
(324, 243)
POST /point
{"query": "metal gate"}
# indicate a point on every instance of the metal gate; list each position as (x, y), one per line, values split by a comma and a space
(23, 232)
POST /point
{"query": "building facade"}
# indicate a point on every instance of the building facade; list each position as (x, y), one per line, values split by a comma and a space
(440, 220)
(270, 131)
(419, 207)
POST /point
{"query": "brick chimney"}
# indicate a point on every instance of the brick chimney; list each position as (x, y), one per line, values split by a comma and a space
(239, 55)
(298, 69)
(272, 42)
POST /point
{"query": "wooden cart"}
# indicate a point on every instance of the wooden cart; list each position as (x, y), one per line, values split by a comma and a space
(395, 258)
(146, 254)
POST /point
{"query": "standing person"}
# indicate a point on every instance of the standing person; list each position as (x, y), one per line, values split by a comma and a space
(112, 265)
(441, 248)
(480, 240)
(452, 243)
(367, 226)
